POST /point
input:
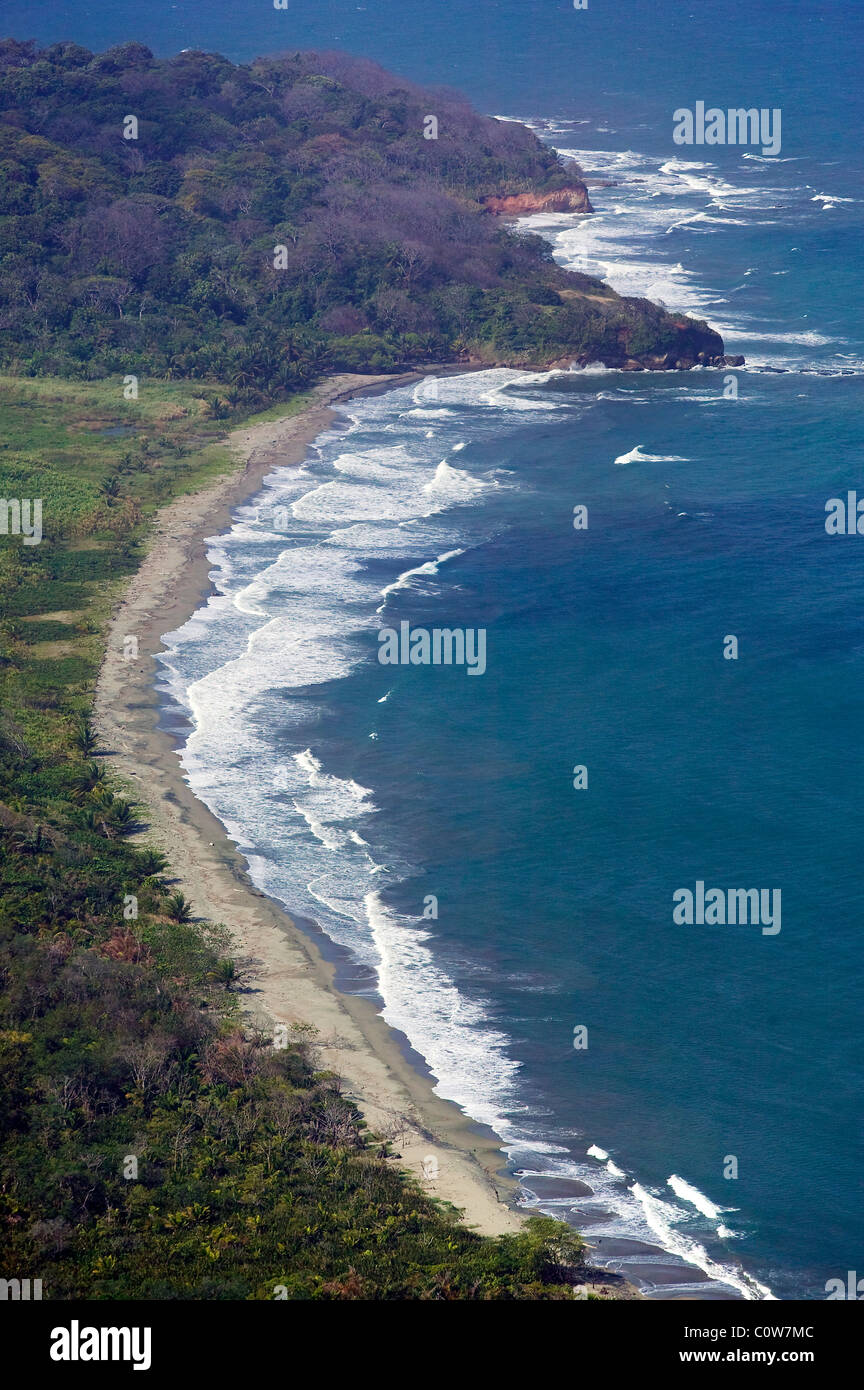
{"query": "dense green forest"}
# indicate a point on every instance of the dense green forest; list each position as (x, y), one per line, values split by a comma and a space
(261, 224)
(121, 1032)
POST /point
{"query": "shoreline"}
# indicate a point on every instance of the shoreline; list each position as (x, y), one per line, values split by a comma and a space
(291, 980)
(288, 977)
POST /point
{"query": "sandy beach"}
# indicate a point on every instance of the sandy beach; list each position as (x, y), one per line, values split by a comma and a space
(290, 982)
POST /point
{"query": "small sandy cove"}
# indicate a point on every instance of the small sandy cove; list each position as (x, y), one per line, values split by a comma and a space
(291, 982)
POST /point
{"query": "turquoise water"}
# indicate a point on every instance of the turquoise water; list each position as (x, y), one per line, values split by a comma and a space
(360, 791)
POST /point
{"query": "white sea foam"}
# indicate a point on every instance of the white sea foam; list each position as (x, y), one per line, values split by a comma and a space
(829, 200)
(691, 1194)
(453, 483)
(342, 796)
(331, 839)
(636, 456)
(502, 395)
(662, 1218)
(406, 580)
(809, 338)
(628, 1209)
(299, 571)
(468, 1057)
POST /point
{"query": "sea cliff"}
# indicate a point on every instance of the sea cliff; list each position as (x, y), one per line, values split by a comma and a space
(572, 199)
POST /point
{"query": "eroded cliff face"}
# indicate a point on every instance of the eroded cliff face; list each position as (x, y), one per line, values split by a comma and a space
(572, 199)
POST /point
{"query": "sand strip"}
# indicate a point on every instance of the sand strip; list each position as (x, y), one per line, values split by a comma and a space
(292, 983)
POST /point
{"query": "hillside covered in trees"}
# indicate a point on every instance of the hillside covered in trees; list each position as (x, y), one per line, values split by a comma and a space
(261, 224)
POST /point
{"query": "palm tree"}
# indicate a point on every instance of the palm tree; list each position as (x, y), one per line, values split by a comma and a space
(110, 489)
(226, 972)
(87, 780)
(84, 736)
(150, 862)
(95, 821)
(179, 908)
(122, 817)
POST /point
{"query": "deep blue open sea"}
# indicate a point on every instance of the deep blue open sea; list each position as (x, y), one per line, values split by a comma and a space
(358, 791)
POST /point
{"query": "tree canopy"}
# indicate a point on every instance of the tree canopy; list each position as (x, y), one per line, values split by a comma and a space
(259, 224)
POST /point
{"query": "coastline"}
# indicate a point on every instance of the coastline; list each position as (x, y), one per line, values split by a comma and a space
(288, 977)
(648, 1104)
(291, 981)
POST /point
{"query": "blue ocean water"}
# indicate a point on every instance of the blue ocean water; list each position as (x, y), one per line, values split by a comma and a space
(358, 791)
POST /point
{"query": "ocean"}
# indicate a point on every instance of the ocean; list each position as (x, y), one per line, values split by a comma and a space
(688, 1095)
